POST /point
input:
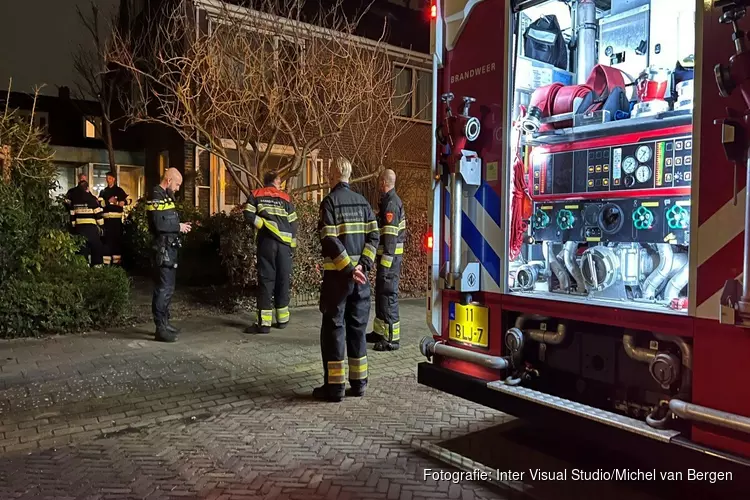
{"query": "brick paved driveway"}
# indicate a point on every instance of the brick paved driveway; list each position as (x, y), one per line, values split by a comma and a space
(220, 415)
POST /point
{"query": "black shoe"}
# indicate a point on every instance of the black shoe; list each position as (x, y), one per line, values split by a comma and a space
(164, 335)
(356, 392)
(384, 345)
(324, 393)
(257, 329)
(373, 338)
(281, 326)
(172, 329)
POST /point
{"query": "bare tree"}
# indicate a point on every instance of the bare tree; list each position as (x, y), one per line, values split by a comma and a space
(90, 62)
(252, 82)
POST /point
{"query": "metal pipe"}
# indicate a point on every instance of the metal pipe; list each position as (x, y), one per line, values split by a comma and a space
(642, 354)
(678, 281)
(686, 357)
(430, 346)
(586, 39)
(656, 279)
(556, 267)
(746, 266)
(544, 336)
(569, 251)
(697, 413)
(456, 213)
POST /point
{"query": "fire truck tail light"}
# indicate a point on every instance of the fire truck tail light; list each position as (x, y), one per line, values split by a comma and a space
(428, 242)
(433, 11)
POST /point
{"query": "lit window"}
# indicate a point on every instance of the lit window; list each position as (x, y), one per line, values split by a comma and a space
(92, 127)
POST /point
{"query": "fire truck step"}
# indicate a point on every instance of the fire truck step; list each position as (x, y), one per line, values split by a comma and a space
(584, 411)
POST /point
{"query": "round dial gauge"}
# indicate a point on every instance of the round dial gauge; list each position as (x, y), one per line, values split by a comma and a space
(643, 174)
(629, 164)
(643, 154)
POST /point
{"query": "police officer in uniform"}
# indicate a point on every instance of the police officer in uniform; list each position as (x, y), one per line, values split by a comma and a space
(392, 221)
(272, 213)
(113, 199)
(86, 220)
(349, 238)
(165, 226)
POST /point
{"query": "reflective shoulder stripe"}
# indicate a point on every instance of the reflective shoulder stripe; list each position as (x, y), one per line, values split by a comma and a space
(249, 207)
(160, 205)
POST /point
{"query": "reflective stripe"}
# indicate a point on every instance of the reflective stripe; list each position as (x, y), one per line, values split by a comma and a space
(294, 242)
(335, 373)
(389, 230)
(292, 217)
(159, 205)
(249, 207)
(386, 260)
(396, 335)
(274, 228)
(337, 264)
(358, 368)
(369, 252)
(280, 212)
(98, 210)
(380, 327)
(113, 215)
(402, 225)
(399, 249)
(100, 222)
(282, 315)
(78, 222)
(392, 333)
(79, 211)
(258, 222)
(348, 228)
(266, 316)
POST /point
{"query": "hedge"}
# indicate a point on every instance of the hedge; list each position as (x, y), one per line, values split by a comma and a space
(45, 287)
(220, 250)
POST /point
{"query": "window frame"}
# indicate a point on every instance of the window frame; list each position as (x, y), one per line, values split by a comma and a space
(97, 123)
(415, 69)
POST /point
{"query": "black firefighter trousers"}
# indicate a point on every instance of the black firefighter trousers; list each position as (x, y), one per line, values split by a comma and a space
(387, 323)
(164, 284)
(94, 247)
(274, 277)
(346, 309)
(113, 229)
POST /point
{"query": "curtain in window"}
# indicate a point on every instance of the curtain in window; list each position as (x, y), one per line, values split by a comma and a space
(402, 102)
(423, 93)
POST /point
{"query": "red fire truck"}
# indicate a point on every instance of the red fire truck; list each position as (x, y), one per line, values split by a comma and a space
(588, 215)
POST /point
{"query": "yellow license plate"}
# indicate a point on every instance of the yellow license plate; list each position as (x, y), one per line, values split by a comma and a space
(470, 325)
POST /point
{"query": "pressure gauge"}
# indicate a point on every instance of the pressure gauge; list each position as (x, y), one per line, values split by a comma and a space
(629, 164)
(643, 174)
(643, 154)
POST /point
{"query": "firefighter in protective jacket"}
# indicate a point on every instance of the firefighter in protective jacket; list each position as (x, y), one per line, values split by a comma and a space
(392, 221)
(272, 213)
(113, 200)
(86, 220)
(349, 238)
(165, 226)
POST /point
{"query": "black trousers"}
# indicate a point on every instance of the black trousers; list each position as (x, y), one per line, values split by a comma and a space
(113, 238)
(386, 321)
(94, 247)
(274, 279)
(346, 309)
(164, 284)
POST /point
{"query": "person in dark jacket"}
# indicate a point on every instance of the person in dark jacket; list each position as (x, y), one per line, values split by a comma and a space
(86, 220)
(349, 238)
(113, 200)
(272, 213)
(392, 221)
(165, 226)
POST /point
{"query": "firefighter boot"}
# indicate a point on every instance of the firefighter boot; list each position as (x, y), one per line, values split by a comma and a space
(258, 329)
(384, 345)
(165, 335)
(374, 338)
(357, 390)
(328, 393)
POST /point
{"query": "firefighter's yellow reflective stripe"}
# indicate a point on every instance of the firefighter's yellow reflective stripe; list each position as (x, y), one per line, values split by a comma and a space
(386, 261)
(98, 210)
(279, 212)
(249, 207)
(369, 252)
(337, 264)
(274, 228)
(335, 373)
(348, 228)
(101, 201)
(79, 211)
(292, 217)
(402, 225)
(266, 316)
(258, 222)
(372, 226)
(399, 249)
(113, 215)
(87, 220)
(282, 315)
(329, 265)
(396, 332)
(159, 205)
(358, 368)
(100, 222)
(294, 242)
(380, 327)
(389, 230)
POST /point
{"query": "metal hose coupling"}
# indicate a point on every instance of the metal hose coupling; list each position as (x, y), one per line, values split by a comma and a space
(426, 346)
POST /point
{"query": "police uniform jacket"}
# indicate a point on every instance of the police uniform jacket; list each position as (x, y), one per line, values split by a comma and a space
(113, 210)
(272, 213)
(84, 208)
(348, 231)
(392, 222)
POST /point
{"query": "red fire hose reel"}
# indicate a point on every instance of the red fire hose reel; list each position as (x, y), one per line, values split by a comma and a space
(557, 99)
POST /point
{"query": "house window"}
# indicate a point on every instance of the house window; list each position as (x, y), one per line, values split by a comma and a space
(413, 93)
(41, 118)
(92, 127)
(163, 163)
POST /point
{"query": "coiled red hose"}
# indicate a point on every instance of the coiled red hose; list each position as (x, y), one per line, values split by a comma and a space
(518, 226)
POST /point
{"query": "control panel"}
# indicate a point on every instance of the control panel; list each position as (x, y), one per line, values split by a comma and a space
(663, 163)
(645, 220)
